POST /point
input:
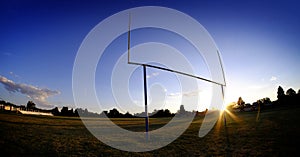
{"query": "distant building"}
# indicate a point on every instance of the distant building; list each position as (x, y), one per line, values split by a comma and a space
(8, 107)
(35, 113)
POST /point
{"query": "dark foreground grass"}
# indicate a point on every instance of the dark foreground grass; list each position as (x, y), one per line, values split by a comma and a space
(276, 133)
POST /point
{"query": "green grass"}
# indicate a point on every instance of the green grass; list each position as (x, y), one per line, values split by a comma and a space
(277, 133)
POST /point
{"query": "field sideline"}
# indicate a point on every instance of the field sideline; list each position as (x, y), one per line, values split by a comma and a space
(276, 133)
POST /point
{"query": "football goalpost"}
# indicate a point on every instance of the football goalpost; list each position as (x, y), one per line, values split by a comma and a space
(145, 65)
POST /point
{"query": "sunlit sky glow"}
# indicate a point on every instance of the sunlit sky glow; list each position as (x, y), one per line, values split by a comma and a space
(258, 42)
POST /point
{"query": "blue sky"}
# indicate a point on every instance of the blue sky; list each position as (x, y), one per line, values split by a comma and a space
(258, 41)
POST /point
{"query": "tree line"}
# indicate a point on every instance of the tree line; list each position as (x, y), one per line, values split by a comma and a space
(288, 98)
(113, 113)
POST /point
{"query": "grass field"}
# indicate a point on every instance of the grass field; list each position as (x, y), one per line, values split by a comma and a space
(276, 133)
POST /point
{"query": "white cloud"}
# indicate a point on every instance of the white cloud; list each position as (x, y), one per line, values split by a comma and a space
(38, 95)
(187, 94)
(191, 93)
(155, 74)
(273, 78)
(174, 94)
(14, 75)
(152, 75)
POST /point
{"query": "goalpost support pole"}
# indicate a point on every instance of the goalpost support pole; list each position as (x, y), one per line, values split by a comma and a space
(224, 112)
(146, 107)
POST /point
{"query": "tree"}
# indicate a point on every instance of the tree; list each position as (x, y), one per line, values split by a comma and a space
(55, 111)
(167, 113)
(64, 111)
(103, 114)
(280, 93)
(266, 101)
(298, 92)
(114, 113)
(70, 112)
(2, 102)
(182, 110)
(128, 115)
(163, 113)
(241, 103)
(291, 92)
(31, 105)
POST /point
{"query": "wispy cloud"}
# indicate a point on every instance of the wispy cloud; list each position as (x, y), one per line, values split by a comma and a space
(14, 75)
(273, 78)
(174, 94)
(152, 75)
(38, 95)
(187, 94)
(191, 93)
